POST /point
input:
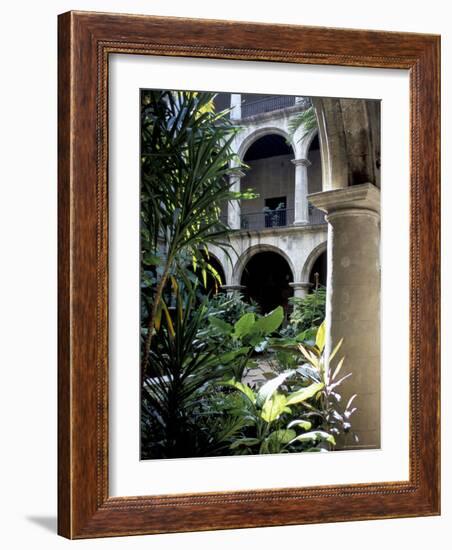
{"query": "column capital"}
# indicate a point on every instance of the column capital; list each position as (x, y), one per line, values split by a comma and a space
(364, 197)
(301, 162)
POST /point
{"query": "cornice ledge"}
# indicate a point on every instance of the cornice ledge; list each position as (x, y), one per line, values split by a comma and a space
(364, 196)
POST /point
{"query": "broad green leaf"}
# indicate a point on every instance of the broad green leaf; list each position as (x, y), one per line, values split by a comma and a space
(317, 435)
(243, 325)
(221, 325)
(267, 390)
(304, 393)
(304, 424)
(244, 442)
(279, 438)
(246, 390)
(269, 323)
(274, 407)
(320, 337)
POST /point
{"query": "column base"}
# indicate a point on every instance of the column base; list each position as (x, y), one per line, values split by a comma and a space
(233, 288)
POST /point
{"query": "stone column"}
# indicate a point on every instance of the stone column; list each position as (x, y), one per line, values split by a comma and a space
(300, 290)
(301, 216)
(353, 300)
(236, 106)
(234, 216)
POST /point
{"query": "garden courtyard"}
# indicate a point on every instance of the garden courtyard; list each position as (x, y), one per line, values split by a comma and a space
(260, 274)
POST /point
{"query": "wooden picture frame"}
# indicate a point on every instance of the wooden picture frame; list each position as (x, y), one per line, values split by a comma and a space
(86, 40)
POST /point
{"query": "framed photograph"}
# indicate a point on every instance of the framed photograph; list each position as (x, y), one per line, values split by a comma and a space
(248, 275)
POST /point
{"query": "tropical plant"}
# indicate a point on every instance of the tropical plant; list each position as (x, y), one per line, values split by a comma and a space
(308, 312)
(182, 368)
(327, 409)
(186, 159)
(229, 307)
(251, 332)
(268, 414)
(305, 119)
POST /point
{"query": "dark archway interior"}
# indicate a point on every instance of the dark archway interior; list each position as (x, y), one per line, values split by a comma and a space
(270, 145)
(318, 271)
(266, 277)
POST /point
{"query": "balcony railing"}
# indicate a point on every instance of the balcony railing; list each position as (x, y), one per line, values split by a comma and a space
(277, 218)
(273, 103)
(316, 216)
(266, 219)
(266, 105)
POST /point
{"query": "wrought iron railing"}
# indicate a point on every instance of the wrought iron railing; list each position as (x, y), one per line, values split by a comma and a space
(273, 103)
(266, 105)
(316, 216)
(267, 218)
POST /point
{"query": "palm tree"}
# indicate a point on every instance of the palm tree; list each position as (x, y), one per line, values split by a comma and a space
(186, 161)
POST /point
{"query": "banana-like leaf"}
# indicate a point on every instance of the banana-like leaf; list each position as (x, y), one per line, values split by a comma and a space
(243, 325)
(246, 390)
(244, 442)
(315, 436)
(268, 389)
(278, 439)
(304, 393)
(221, 325)
(304, 424)
(274, 407)
(270, 322)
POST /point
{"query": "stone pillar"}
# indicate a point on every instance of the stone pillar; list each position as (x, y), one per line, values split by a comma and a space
(236, 106)
(353, 300)
(300, 290)
(301, 216)
(234, 216)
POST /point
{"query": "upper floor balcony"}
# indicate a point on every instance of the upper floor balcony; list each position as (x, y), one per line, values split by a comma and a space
(249, 105)
(278, 218)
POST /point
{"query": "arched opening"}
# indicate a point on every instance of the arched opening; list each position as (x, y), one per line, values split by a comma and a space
(271, 176)
(266, 279)
(315, 185)
(315, 168)
(318, 273)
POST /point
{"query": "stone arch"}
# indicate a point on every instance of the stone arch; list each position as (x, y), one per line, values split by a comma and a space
(306, 141)
(261, 132)
(311, 259)
(252, 251)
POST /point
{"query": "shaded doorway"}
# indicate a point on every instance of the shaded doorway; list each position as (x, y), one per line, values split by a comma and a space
(317, 276)
(266, 279)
